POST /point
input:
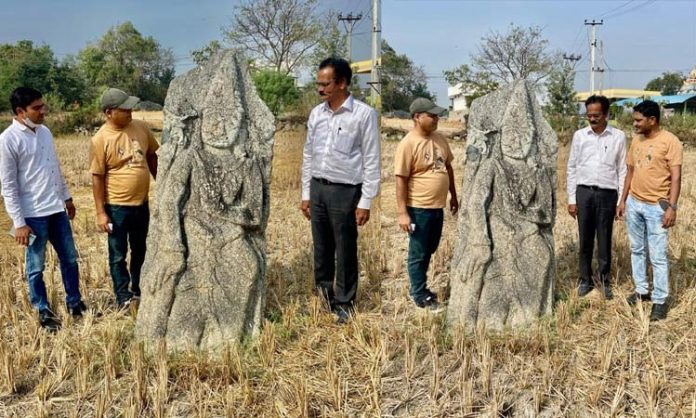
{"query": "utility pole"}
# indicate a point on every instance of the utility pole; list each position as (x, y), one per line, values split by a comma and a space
(375, 84)
(593, 46)
(573, 60)
(349, 23)
(601, 69)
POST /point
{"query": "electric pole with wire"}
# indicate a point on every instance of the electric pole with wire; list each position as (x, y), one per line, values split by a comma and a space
(375, 83)
(593, 47)
(572, 58)
(349, 23)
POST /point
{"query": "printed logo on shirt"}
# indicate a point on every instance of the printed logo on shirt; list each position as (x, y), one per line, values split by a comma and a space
(643, 156)
(137, 155)
(439, 163)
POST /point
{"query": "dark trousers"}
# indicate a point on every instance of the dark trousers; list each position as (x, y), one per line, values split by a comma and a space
(130, 225)
(596, 211)
(335, 235)
(422, 243)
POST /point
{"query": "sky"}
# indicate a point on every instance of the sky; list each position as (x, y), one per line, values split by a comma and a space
(641, 38)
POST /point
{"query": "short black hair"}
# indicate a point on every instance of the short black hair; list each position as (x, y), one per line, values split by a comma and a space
(23, 97)
(341, 67)
(648, 108)
(595, 98)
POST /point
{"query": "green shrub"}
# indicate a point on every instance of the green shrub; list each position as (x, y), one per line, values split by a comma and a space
(84, 120)
(683, 126)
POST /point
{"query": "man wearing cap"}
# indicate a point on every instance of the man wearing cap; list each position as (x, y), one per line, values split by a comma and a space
(122, 157)
(38, 202)
(340, 178)
(424, 175)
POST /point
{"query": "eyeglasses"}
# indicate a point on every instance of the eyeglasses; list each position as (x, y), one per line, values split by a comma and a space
(324, 83)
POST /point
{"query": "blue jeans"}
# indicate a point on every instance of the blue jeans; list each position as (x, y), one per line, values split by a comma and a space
(423, 242)
(644, 221)
(56, 229)
(130, 225)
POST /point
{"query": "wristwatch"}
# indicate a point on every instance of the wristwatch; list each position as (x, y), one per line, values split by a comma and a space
(674, 206)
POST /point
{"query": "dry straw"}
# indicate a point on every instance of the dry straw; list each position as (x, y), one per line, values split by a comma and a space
(591, 358)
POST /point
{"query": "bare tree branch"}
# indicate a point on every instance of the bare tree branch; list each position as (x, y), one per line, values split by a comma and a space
(280, 34)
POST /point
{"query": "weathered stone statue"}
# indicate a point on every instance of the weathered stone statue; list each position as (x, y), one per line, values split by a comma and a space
(203, 278)
(503, 268)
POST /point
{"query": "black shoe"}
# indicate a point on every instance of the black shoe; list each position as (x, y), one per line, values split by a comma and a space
(608, 293)
(658, 312)
(635, 297)
(327, 297)
(77, 310)
(430, 303)
(584, 290)
(343, 314)
(48, 320)
(125, 305)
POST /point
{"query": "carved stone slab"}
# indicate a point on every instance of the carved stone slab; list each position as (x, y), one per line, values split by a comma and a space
(203, 277)
(503, 268)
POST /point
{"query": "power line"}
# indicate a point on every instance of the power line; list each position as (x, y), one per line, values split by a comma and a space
(616, 8)
(623, 12)
(349, 23)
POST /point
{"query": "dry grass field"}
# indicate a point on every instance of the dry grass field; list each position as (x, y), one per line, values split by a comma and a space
(591, 358)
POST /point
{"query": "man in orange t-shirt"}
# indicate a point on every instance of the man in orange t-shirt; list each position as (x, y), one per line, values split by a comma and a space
(122, 158)
(649, 201)
(424, 175)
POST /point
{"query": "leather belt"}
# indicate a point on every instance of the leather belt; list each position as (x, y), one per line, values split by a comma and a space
(331, 183)
(596, 188)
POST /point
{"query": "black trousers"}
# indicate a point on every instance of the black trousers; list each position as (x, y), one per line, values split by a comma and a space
(335, 235)
(596, 211)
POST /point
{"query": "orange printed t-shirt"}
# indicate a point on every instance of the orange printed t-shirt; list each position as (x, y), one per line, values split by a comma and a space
(121, 156)
(652, 159)
(424, 162)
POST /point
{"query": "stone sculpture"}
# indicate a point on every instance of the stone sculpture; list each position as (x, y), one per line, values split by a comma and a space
(203, 278)
(503, 268)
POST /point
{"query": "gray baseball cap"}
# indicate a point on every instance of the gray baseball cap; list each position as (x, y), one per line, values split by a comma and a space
(423, 105)
(117, 99)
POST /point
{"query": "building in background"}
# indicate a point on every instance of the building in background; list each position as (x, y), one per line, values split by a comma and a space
(689, 85)
(459, 102)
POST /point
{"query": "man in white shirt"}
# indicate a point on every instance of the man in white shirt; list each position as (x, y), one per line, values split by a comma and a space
(596, 173)
(340, 178)
(38, 202)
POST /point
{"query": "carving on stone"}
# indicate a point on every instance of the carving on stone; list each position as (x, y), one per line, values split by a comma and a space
(503, 267)
(203, 277)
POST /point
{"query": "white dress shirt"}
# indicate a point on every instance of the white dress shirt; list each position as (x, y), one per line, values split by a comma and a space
(343, 147)
(597, 160)
(32, 183)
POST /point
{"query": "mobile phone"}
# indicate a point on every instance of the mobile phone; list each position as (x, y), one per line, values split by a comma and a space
(32, 237)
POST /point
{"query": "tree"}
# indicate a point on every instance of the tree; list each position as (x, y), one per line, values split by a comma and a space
(502, 58)
(560, 90)
(125, 59)
(402, 80)
(23, 64)
(276, 89)
(519, 53)
(280, 34)
(333, 44)
(475, 84)
(204, 53)
(669, 83)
